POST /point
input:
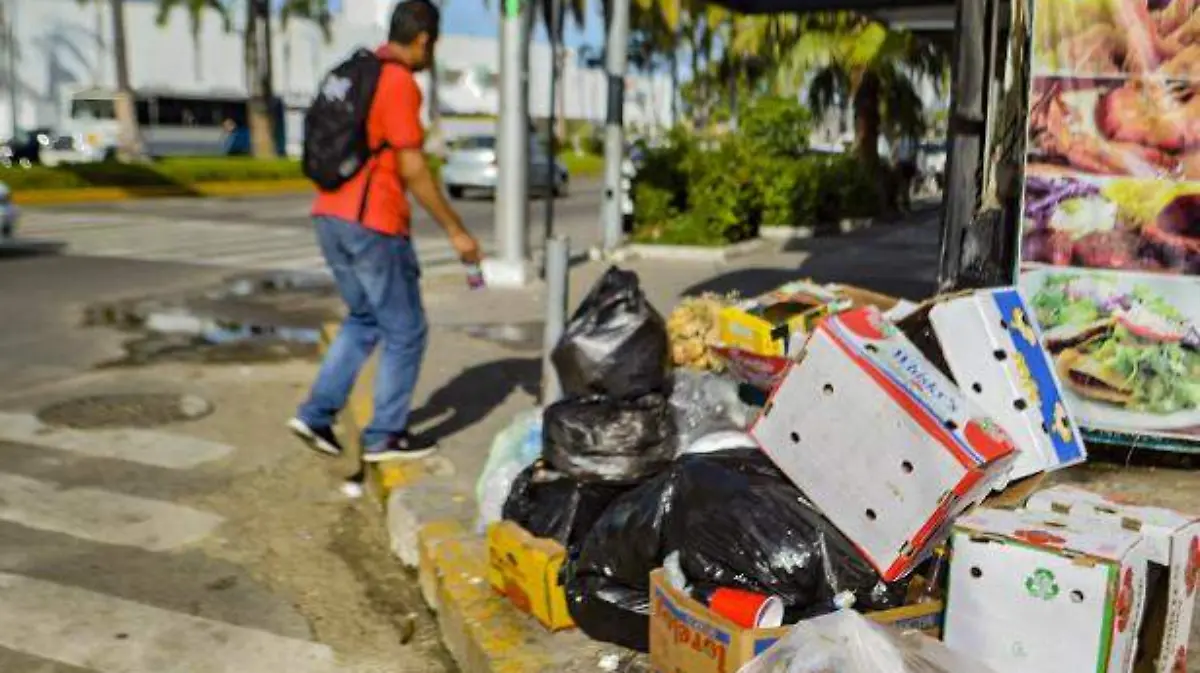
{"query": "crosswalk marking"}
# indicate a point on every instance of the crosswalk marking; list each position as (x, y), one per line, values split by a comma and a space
(113, 635)
(102, 516)
(148, 447)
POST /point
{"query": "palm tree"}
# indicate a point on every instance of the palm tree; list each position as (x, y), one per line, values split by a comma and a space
(259, 63)
(195, 11)
(850, 59)
(129, 140)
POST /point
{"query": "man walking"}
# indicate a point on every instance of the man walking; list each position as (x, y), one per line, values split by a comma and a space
(363, 230)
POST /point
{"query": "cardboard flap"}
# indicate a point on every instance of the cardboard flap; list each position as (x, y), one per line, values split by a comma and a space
(1049, 531)
(1074, 501)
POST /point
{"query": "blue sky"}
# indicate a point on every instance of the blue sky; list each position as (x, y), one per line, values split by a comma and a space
(475, 17)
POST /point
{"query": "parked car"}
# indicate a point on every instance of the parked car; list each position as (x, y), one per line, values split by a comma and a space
(8, 214)
(25, 149)
(471, 165)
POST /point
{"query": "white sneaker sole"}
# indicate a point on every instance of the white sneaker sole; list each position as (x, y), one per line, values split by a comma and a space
(387, 456)
(301, 430)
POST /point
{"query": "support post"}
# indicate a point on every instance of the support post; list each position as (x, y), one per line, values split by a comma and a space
(14, 79)
(556, 19)
(509, 267)
(617, 58)
(558, 254)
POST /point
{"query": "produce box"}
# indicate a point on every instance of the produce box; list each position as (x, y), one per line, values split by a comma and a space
(1033, 592)
(880, 440)
(777, 323)
(526, 570)
(991, 346)
(687, 637)
(1173, 547)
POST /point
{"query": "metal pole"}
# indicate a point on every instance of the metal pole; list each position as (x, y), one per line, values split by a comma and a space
(551, 138)
(558, 253)
(614, 139)
(512, 188)
(13, 78)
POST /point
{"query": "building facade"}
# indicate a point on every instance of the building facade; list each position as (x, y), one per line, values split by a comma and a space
(62, 47)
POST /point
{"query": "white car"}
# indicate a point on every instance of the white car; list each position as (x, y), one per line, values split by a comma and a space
(472, 165)
(8, 214)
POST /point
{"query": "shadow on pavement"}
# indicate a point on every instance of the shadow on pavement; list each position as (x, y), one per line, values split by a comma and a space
(469, 397)
(23, 248)
(899, 259)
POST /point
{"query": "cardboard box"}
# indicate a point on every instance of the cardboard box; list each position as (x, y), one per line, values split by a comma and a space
(1032, 593)
(1173, 547)
(991, 344)
(526, 570)
(880, 440)
(776, 324)
(687, 637)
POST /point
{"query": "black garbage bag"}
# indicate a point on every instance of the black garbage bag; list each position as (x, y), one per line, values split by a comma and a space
(550, 504)
(736, 521)
(615, 344)
(609, 612)
(600, 438)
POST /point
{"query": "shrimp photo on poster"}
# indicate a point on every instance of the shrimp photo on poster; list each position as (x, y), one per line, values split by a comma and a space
(1117, 37)
(1141, 128)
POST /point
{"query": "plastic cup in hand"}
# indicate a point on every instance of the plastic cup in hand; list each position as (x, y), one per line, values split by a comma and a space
(746, 608)
(475, 277)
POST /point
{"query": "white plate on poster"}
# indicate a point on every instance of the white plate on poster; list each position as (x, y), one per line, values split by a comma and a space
(1182, 292)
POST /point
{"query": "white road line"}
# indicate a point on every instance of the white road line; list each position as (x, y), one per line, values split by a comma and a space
(148, 447)
(102, 516)
(113, 635)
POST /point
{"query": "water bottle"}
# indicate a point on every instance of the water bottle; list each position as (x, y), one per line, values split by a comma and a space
(474, 276)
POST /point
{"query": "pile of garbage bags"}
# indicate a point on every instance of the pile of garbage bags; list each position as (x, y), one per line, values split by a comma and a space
(638, 462)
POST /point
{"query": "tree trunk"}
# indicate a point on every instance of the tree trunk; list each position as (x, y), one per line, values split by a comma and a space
(866, 119)
(129, 141)
(560, 94)
(675, 79)
(262, 132)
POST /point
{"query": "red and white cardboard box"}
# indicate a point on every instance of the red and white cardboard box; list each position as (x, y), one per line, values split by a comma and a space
(1173, 548)
(991, 344)
(1031, 592)
(882, 442)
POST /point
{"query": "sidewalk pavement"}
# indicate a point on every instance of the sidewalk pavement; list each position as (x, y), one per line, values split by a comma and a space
(483, 366)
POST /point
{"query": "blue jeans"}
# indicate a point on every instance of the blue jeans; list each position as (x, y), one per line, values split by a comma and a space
(379, 279)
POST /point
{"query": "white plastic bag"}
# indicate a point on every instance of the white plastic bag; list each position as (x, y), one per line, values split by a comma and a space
(513, 449)
(704, 403)
(846, 642)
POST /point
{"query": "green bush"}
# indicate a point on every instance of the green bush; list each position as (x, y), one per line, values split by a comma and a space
(655, 205)
(776, 126)
(179, 172)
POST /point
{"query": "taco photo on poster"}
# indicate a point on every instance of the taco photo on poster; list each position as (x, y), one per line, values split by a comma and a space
(1126, 346)
(1117, 37)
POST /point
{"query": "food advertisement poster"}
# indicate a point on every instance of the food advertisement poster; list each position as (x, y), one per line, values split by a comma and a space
(1110, 236)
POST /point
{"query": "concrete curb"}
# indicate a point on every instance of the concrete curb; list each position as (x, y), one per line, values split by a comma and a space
(787, 233)
(431, 528)
(47, 197)
(687, 253)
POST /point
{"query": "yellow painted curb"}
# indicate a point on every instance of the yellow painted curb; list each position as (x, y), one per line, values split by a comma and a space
(46, 197)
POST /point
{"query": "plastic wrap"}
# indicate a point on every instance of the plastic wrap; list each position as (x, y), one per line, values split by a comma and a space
(603, 439)
(704, 403)
(550, 504)
(736, 521)
(514, 448)
(615, 344)
(846, 642)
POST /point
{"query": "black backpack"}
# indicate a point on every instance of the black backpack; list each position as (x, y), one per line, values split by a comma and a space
(336, 147)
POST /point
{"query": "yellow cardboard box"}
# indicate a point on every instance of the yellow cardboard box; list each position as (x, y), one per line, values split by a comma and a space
(773, 324)
(526, 570)
(687, 637)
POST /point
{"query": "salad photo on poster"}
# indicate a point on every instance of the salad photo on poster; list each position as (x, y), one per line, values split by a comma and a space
(1142, 128)
(1117, 37)
(1126, 224)
(1126, 347)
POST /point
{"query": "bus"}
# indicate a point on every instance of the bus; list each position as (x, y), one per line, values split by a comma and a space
(172, 124)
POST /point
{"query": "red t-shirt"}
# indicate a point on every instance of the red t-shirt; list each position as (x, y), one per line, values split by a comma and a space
(395, 118)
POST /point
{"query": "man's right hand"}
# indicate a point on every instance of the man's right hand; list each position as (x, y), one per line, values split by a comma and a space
(466, 246)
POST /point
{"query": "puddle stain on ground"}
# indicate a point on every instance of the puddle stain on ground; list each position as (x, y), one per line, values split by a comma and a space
(265, 318)
(520, 336)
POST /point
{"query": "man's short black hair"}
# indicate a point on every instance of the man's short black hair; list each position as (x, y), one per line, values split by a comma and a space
(411, 18)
